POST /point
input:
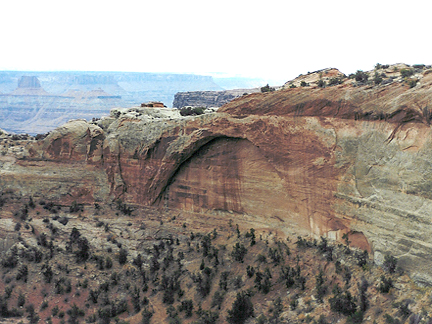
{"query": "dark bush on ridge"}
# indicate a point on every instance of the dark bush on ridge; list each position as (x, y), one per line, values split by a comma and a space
(191, 111)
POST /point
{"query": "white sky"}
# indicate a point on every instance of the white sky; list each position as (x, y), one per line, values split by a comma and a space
(270, 39)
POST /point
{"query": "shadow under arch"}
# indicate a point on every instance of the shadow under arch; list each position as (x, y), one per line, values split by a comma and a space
(229, 174)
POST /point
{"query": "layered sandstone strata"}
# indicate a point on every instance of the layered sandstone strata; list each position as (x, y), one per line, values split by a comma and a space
(208, 99)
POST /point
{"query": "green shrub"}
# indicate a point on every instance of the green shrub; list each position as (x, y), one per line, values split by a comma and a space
(335, 81)
(321, 83)
(250, 271)
(267, 88)
(21, 300)
(356, 318)
(362, 258)
(237, 282)
(304, 84)
(83, 251)
(8, 291)
(241, 310)
(293, 303)
(203, 281)
(361, 76)
(108, 263)
(207, 317)
(22, 273)
(91, 319)
(32, 316)
(342, 303)
(123, 207)
(262, 319)
(223, 281)
(74, 313)
(191, 111)
(170, 286)
(405, 73)
(381, 66)
(218, 299)
(47, 272)
(321, 288)
(377, 78)
(403, 308)
(261, 258)
(326, 249)
(363, 301)
(54, 310)
(412, 82)
(146, 316)
(390, 263)
(239, 252)
(262, 281)
(251, 234)
(187, 307)
(278, 308)
(75, 207)
(302, 243)
(22, 213)
(390, 320)
(206, 245)
(385, 285)
(122, 257)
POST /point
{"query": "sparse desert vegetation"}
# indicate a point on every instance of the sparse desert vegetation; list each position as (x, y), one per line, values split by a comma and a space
(148, 266)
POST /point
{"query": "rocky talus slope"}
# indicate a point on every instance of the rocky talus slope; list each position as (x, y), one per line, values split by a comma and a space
(114, 263)
(352, 158)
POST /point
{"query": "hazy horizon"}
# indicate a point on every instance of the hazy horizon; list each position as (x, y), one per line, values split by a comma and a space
(276, 40)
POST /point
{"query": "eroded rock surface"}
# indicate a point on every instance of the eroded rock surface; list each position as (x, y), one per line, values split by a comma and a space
(327, 161)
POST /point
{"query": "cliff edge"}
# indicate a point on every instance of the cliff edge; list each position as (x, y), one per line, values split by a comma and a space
(351, 157)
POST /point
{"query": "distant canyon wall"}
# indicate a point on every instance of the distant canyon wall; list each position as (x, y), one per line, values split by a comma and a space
(37, 102)
(209, 99)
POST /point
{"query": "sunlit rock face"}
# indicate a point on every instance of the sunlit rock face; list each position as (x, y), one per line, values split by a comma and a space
(318, 161)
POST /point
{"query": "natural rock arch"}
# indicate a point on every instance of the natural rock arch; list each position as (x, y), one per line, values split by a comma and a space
(229, 174)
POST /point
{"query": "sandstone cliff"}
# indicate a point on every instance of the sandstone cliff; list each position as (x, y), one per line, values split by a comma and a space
(352, 158)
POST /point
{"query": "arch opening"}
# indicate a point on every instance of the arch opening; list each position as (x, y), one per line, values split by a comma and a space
(229, 174)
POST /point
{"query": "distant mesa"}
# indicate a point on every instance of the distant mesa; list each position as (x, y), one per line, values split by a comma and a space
(29, 86)
(29, 82)
(31, 109)
(98, 93)
(101, 94)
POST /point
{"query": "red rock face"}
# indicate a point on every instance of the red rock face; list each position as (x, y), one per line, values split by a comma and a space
(322, 161)
(278, 168)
